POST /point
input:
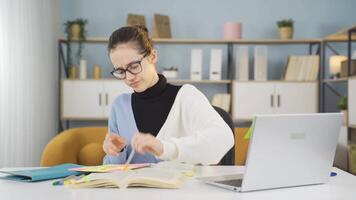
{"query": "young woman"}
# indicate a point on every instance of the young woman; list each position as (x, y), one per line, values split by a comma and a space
(158, 120)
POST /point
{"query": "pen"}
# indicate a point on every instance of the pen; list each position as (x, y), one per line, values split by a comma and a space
(129, 159)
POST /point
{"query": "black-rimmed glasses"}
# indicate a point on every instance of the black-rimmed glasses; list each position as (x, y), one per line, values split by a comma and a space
(134, 68)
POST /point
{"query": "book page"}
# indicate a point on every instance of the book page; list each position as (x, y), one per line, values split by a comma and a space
(145, 177)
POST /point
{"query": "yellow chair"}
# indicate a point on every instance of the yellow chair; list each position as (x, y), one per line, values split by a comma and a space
(81, 146)
(241, 146)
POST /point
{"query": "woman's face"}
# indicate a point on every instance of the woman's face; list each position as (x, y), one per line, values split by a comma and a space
(124, 55)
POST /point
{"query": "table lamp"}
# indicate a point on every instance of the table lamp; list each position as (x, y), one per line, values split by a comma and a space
(335, 65)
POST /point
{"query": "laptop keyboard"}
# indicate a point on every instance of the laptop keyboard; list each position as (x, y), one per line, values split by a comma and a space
(235, 182)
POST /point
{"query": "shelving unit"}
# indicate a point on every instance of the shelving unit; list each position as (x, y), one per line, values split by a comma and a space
(311, 44)
(346, 36)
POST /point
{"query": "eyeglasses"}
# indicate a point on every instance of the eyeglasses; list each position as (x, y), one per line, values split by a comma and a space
(134, 68)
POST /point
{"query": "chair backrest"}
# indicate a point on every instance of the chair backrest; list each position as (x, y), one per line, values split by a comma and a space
(229, 158)
(77, 145)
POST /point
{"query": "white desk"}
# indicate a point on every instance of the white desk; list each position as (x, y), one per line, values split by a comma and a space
(342, 186)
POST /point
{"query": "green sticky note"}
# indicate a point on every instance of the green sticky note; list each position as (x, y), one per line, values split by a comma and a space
(248, 134)
(250, 130)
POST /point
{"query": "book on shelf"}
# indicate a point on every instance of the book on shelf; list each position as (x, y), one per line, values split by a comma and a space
(241, 64)
(260, 63)
(134, 19)
(161, 26)
(196, 64)
(222, 101)
(144, 177)
(215, 64)
(302, 68)
(344, 71)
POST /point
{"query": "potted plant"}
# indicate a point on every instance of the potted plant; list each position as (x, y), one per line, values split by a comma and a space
(342, 106)
(170, 72)
(75, 30)
(285, 27)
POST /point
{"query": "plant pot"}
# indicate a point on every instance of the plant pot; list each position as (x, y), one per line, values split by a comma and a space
(286, 33)
(346, 117)
(74, 31)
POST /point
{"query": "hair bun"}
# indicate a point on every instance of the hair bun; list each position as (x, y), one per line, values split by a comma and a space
(142, 28)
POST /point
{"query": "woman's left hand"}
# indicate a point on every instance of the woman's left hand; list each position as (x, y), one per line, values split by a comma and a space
(147, 143)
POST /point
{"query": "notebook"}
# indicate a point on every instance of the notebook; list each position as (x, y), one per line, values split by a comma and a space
(42, 174)
(109, 168)
(145, 177)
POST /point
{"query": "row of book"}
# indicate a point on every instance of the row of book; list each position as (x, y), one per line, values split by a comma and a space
(302, 68)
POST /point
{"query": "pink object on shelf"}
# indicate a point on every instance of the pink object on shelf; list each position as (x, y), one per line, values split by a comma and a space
(232, 30)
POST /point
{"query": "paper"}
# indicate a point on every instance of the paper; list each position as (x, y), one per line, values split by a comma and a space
(109, 168)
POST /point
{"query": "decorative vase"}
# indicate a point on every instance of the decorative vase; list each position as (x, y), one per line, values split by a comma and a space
(170, 73)
(74, 31)
(286, 33)
(73, 72)
(97, 72)
(82, 69)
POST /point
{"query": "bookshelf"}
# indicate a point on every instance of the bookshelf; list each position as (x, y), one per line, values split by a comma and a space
(228, 81)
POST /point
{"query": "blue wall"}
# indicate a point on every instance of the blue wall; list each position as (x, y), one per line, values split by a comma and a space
(205, 19)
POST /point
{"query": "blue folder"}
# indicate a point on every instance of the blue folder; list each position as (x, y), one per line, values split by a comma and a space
(42, 174)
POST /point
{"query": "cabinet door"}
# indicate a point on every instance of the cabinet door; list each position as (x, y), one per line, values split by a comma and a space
(251, 98)
(352, 101)
(296, 97)
(112, 89)
(82, 99)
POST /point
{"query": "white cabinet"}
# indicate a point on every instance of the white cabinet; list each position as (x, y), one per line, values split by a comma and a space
(352, 101)
(89, 99)
(251, 98)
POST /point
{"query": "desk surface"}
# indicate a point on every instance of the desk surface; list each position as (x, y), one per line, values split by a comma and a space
(342, 186)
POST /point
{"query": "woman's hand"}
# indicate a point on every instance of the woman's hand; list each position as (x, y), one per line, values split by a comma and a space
(147, 143)
(113, 144)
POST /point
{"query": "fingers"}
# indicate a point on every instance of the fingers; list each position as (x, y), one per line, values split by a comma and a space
(113, 144)
(145, 143)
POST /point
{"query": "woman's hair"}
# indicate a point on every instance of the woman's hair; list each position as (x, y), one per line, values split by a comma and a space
(137, 35)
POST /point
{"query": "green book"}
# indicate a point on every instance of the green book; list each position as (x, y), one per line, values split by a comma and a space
(42, 174)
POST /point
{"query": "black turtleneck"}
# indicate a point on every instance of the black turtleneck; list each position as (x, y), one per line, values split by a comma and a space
(152, 106)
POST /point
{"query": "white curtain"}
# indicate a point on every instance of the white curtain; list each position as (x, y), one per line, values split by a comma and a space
(28, 79)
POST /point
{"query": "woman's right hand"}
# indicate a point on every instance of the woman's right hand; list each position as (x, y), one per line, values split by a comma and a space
(113, 144)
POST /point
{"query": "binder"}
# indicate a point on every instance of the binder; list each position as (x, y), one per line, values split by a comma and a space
(215, 64)
(242, 62)
(42, 174)
(260, 69)
(196, 64)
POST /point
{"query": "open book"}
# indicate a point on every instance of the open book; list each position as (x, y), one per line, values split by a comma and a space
(145, 177)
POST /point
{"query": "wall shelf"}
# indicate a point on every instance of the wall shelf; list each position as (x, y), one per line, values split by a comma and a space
(335, 80)
(208, 41)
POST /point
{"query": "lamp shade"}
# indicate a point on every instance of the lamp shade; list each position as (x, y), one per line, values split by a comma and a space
(335, 63)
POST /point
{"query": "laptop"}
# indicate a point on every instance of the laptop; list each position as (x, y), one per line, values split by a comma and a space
(286, 150)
